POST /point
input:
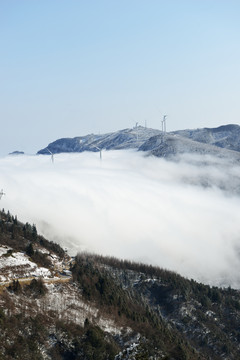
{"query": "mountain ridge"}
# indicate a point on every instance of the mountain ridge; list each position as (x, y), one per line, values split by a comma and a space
(224, 136)
(212, 141)
(122, 139)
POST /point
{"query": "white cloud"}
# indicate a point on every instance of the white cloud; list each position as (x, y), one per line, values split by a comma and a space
(183, 216)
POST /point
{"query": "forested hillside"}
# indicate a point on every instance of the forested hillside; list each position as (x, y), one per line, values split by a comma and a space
(53, 306)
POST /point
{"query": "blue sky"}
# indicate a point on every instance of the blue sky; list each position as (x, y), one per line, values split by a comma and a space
(68, 68)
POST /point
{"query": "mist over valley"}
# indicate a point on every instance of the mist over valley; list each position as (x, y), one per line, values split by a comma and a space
(180, 214)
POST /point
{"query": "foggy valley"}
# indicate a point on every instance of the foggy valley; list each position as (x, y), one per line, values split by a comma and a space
(180, 215)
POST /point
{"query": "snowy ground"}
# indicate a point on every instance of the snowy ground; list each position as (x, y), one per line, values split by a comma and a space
(17, 265)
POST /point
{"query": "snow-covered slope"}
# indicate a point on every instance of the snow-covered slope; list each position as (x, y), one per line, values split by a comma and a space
(226, 136)
(171, 145)
(212, 141)
(17, 265)
(123, 139)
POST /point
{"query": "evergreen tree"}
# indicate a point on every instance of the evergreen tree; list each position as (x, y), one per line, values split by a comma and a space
(30, 250)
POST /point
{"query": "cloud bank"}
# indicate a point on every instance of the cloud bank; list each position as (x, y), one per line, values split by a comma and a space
(183, 216)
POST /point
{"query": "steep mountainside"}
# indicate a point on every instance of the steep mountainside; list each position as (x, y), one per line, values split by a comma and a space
(55, 307)
(209, 317)
(92, 307)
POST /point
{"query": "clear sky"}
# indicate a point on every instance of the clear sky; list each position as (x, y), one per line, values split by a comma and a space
(69, 68)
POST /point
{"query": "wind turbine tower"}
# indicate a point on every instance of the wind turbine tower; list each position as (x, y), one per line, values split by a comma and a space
(164, 124)
(137, 129)
(51, 155)
(1, 194)
(100, 151)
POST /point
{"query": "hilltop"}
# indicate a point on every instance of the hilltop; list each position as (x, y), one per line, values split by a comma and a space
(122, 139)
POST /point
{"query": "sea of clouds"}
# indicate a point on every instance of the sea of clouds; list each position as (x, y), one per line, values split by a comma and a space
(183, 215)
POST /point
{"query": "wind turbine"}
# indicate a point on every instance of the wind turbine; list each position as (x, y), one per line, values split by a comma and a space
(99, 150)
(51, 155)
(1, 194)
(137, 129)
(164, 123)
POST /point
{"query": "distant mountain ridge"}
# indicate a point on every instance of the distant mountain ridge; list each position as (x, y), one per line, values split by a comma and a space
(172, 146)
(122, 139)
(225, 136)
(213, 141)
